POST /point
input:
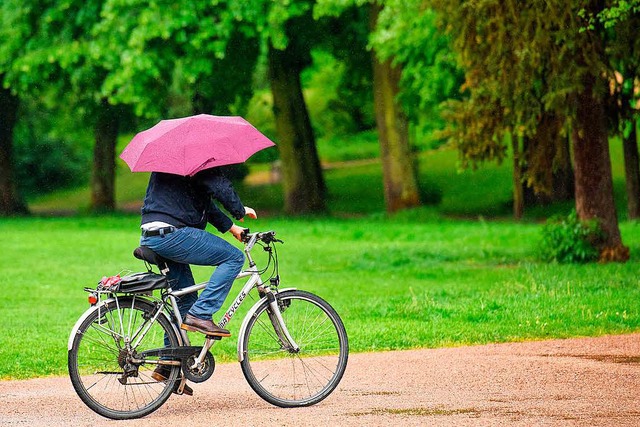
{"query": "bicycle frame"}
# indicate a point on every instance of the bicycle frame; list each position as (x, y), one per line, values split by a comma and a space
(254, 281)
(171, 299)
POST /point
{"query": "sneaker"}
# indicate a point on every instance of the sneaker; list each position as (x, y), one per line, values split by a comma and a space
(207, 327)
(162, 372)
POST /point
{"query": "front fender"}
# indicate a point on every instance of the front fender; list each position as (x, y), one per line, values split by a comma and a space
(245, 322)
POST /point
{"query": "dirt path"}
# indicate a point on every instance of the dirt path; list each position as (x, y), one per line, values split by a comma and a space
(578, 382)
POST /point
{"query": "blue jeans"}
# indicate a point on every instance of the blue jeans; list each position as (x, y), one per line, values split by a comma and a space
(194, 246)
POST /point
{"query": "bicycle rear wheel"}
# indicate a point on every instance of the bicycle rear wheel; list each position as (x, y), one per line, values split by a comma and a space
(102, 364)
(286, 378)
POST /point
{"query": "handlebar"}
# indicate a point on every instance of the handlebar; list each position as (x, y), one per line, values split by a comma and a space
(250, 239)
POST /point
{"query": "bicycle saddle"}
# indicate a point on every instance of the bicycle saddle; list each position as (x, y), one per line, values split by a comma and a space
(148, 255)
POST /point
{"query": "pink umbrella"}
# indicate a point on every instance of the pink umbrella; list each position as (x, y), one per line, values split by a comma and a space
(188, 145)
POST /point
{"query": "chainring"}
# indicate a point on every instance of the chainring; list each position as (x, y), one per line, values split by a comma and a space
(201, 372)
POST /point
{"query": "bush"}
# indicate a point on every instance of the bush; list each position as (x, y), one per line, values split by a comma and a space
(567, 239)
(44, 165)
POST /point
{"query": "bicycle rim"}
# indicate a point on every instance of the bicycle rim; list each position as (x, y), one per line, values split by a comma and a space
(289, 379)
(99, 352)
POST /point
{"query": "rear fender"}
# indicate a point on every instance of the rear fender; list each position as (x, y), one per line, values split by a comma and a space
(104, 304)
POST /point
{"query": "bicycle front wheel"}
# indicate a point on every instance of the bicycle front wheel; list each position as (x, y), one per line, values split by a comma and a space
(288, 378)
(105, 364)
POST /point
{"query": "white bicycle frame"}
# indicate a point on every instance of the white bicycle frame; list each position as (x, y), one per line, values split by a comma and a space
(254, 281)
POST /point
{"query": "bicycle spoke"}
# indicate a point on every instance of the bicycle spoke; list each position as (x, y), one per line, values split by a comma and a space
(301, 378)
(99, 352)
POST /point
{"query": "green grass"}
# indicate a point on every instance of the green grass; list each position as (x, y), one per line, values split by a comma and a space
(411, 281)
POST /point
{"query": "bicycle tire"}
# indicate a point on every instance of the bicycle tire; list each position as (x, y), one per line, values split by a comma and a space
(96, 371)
(287, 379)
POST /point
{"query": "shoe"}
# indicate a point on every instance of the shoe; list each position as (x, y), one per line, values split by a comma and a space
(207, 327)
(162, 372)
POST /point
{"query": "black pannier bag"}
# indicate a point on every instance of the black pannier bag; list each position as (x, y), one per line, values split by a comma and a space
(141, 282)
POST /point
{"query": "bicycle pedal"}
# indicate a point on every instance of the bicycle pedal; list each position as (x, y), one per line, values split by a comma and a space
(183, 391)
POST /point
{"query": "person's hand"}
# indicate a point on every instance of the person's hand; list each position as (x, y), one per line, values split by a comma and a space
(236, 230)
(250, 212)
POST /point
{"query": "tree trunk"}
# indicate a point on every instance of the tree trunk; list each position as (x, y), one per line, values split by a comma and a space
(399, 171)
(632, 172)
(518, 185)
(303, 183)
(10, 201)
(548, 171)
(104, 165)
(594, 182)
(563, 177)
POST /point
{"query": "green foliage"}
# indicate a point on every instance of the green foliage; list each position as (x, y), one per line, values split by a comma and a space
(524, 60)
(330, 97)
(619, 11)
(340, 148)
(44, 165)
(567, 239)
(331, 113)
(407, 33)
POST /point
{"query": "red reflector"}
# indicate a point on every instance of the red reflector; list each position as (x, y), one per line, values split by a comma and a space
(93, 299)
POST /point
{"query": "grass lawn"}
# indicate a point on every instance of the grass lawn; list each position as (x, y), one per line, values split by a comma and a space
(398, 283)
(416, 279)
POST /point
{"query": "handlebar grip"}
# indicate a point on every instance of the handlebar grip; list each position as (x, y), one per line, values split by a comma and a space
(245, 234)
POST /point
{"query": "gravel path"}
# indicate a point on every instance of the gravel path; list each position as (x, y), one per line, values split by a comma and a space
(576, 382)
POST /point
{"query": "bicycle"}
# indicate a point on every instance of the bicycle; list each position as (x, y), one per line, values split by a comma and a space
(292, 345)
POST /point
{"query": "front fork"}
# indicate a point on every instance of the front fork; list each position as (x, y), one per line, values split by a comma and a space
(275, 315)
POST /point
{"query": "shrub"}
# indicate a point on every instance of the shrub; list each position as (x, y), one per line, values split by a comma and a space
(567, 239)
(44, 165)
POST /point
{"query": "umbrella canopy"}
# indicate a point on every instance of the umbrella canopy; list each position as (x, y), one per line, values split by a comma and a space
(188, 145)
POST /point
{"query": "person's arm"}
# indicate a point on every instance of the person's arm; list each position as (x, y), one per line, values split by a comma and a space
(218, 219)
(221, 189)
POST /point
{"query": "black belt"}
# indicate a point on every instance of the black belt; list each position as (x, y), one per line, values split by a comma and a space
(158, 232)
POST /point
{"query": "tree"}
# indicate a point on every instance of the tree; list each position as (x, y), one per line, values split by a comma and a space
(303, 182)
(348, 43)
(59, 50)
(202, 36)
(10, 201)
(623, 56)
(229, 82)
(551, 178)
(526, 60)
(15, 27)
(391, 24)
(399, 173)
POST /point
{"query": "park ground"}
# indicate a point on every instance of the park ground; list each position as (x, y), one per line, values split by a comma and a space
(571, 382)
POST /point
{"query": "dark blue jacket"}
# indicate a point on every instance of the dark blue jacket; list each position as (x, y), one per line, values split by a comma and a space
(189, 201)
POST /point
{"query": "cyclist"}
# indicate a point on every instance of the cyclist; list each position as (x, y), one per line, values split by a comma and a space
(175, 213)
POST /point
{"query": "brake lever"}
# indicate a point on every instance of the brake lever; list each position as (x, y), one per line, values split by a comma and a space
(245, 235)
